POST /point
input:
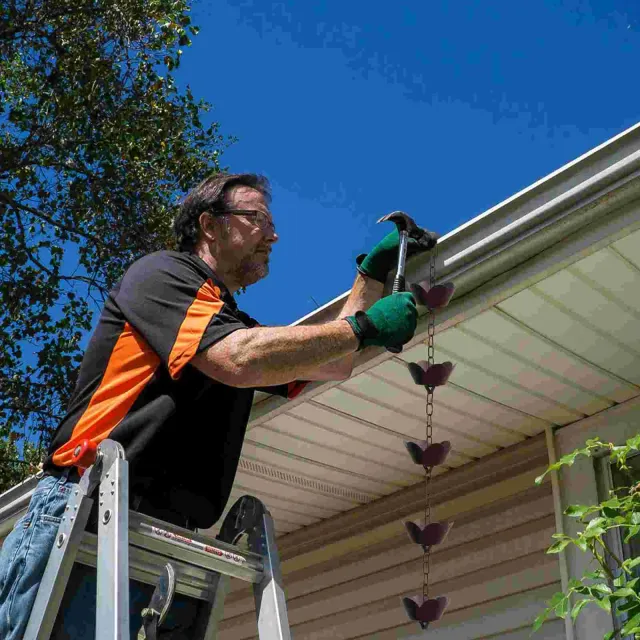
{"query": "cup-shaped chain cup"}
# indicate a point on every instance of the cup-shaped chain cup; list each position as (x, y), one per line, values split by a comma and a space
(423, 610)
(436, 297)
(435, 375)
(429, 535)
(428, 455)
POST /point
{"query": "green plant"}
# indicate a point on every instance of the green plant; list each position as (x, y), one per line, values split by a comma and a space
(17, 465)
(614, 585)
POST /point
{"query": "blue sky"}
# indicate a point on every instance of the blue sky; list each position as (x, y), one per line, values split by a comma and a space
(354, 109)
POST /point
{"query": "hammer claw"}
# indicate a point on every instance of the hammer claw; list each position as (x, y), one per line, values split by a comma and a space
(404, 222)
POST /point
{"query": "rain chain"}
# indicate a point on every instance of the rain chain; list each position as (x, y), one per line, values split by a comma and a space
(422, 608)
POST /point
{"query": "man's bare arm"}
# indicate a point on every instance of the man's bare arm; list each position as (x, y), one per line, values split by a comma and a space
(364, 293)
(267, 356)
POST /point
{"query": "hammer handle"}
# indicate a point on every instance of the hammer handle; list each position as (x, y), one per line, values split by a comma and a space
(398, 284)
(398, 287)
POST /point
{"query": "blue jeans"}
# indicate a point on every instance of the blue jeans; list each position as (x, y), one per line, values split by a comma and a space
(23, 558)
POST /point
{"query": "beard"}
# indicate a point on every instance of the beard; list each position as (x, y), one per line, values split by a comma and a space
(252, 268)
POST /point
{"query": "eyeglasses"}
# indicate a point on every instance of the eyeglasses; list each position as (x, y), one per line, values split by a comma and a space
(262, 219)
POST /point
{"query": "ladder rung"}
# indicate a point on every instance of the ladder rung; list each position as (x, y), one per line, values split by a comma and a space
(146, 566)
(193, 548)
(207, 554)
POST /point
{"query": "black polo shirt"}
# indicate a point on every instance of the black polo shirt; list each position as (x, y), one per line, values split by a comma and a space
(182, 432)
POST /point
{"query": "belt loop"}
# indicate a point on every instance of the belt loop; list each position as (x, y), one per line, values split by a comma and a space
(65, 477)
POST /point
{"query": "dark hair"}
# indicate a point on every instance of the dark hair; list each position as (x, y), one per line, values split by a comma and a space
(211, 194)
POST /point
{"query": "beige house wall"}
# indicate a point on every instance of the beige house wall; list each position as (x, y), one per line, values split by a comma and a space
(492, 566)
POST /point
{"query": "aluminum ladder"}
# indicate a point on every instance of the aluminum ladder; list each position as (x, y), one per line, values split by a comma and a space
(133, 545)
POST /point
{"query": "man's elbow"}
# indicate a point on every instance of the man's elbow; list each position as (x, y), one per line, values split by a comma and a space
(227, 371)
(331, 373)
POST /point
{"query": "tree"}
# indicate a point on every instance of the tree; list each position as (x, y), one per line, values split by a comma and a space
(16, 465)
(96, 144)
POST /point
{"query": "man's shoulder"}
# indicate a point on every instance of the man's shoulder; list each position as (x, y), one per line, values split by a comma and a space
(163, 257)
(160, 264)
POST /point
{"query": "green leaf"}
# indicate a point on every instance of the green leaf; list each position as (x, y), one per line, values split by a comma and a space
(539, 621)
(604, 603)
(578, 606)
(595, 523)
(631, 607)
(562, 608)
(631, 624)
(556, 598)
(581, 543)
(633, 531)
(577, 510)
(625, 592)
(632, 583)
(558, 546)
(601, 588)
(574, 584)
(598, 574)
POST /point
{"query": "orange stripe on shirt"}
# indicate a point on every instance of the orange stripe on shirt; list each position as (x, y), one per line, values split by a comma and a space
(131, 365)
(206, 305)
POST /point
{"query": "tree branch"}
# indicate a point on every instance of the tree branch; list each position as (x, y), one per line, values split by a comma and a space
(43, 216)
(92, 282)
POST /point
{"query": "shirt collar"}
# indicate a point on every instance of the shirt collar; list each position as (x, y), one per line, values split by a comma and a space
(225, 294)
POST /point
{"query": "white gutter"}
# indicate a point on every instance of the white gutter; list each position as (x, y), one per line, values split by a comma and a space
(557, 173)
(626, 169)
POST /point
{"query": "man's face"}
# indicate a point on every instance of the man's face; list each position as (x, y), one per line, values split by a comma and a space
(246, 247)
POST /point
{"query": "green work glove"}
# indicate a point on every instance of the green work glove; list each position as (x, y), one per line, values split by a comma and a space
(390, 322)
(384, 256)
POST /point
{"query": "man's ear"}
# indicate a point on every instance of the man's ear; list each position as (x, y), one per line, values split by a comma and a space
(207, 225)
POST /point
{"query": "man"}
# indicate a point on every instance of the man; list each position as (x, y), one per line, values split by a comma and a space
(170, 373)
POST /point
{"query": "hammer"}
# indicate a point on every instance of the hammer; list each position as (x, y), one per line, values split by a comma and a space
(407, 228)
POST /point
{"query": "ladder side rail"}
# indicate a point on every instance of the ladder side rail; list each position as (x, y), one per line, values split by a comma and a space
(271, 606)
(219, 590)
(59, 565)
(112, 604)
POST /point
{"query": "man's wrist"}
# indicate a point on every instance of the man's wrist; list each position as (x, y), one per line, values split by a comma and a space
(362, 328)
(364, 272)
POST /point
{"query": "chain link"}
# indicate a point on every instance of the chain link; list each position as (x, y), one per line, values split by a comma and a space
(426, 558)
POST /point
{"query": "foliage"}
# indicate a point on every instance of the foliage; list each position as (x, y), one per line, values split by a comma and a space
(614, 585)
(97, 142)
(14, 466)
